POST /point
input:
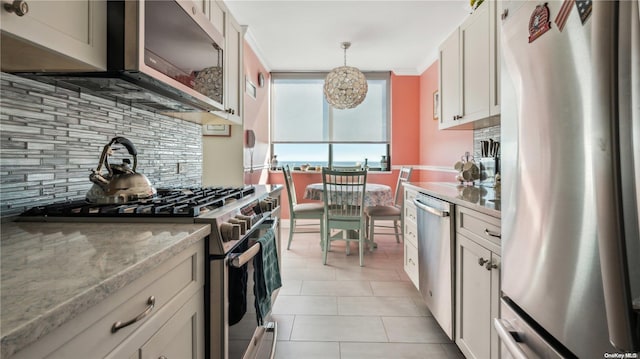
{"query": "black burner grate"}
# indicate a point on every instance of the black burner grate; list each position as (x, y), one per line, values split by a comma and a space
(170, 202)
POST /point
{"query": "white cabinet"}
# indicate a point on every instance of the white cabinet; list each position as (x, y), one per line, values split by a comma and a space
(233, 68)
(233, 34)
(168, 303)
(449, 65)
(76, 31)
(495, 20)
(216, 15)
(467, 90)
(474, 44)
(410, 235)
(182, 336)
(477, 283)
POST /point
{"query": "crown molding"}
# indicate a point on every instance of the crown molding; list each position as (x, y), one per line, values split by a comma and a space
(253, 44)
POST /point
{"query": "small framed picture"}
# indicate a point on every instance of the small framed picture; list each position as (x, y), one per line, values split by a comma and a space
(216, 130)
(436, 105)
(250, 88)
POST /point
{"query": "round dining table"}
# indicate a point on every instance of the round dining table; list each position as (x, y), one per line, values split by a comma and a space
(376, 194)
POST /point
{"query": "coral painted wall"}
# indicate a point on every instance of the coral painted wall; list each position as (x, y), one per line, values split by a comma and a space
(256, 118)
(439, 150)
(405, 120)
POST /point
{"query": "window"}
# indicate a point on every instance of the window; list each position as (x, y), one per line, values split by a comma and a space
(306, 129)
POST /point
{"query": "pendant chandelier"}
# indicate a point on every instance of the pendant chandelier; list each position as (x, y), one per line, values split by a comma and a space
(345, 86)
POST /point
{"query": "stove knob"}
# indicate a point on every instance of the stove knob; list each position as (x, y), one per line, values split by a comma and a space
(229, 232)
(247, 219)
(241, 223)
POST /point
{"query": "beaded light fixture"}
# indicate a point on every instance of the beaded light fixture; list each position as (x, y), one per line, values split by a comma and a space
(345, 86)
(209, 80)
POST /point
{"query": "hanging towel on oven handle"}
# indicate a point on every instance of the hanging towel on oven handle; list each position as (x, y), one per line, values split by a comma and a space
(237, 295)
(266, 275)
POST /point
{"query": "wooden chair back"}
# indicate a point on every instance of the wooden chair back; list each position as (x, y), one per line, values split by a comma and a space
(404, 176)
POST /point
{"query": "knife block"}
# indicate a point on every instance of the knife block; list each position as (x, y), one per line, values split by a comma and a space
(489, 167)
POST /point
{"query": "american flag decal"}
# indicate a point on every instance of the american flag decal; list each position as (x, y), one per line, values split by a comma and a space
(563, 15)
(584, 9)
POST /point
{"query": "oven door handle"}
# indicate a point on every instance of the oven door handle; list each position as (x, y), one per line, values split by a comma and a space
(241, 259)
(273, 327)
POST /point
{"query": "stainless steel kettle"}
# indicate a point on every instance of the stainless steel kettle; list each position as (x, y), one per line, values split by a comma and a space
(122, 183)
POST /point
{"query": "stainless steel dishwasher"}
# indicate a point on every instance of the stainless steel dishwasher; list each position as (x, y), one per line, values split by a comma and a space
(435, 258)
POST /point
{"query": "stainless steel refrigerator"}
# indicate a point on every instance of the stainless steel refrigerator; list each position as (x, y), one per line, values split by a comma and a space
(570, 86)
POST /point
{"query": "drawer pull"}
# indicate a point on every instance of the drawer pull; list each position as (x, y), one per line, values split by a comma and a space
(151, 302)
(492, 233)
(19, 7)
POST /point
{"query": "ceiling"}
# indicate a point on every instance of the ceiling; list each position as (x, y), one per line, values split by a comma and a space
(305, 35)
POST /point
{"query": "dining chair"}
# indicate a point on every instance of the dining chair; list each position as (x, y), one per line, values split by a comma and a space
(343, 196)
(347, 168)
(390, 212)
(300, 210)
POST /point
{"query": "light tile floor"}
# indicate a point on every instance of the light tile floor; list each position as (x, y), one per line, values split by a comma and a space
(345, 311)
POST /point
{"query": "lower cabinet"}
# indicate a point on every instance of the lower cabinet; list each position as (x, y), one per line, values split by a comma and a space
(477, 283)
(180, 337)
(410, 235)
(159, 314)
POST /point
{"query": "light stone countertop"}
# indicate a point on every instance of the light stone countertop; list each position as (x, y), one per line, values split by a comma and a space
(482, 199)
(52, 272)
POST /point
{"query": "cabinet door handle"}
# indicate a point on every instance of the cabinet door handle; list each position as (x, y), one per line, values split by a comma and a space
(20, 7)
(482, 261)
(504, 14)
(151, 302)
(492, 233)
(491, 266)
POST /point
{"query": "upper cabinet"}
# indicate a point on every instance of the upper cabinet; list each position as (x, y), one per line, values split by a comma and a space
(233, 33)
(469, 70)
(70, 35)
(233, 69)
(495, 18)
(449, 66)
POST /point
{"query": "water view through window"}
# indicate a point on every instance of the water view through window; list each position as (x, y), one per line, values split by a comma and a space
(314, 155)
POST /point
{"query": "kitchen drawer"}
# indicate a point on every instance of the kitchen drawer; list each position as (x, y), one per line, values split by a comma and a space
(409, 196)
(411, 262)
(410, 213)
(411, 232)
(90, 334)
(478, 226)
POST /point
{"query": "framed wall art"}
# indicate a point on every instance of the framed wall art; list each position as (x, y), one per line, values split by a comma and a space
(216, 130)
(250, 88)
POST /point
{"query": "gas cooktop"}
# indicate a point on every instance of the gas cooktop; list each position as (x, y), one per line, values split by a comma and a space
(169, 202)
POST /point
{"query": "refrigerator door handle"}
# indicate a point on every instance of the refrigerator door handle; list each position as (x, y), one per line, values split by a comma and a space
(507, 339)
(621, 319)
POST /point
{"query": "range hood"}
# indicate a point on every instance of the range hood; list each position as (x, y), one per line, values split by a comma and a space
(162, 56)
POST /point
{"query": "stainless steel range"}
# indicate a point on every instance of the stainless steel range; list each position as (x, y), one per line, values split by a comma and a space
(238, 217)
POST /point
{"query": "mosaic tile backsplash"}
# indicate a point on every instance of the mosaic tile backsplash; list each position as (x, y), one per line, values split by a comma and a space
(50, 139)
